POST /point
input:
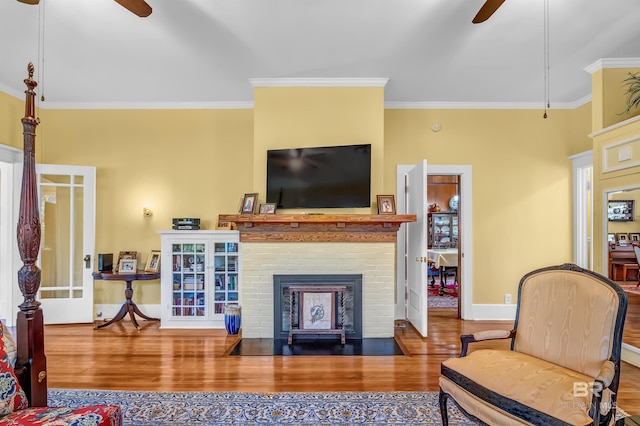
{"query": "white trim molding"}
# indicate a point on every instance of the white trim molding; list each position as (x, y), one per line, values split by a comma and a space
(612, 63)
(318, 82)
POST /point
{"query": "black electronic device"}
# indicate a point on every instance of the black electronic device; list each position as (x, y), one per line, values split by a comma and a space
(186, 227)
(186, 221)
(321, 177)
(105, 262)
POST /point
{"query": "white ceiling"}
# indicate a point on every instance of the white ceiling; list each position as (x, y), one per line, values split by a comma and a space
(204, 52)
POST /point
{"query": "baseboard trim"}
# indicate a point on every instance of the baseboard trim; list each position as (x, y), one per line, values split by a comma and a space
(108, 311)
(493, 312)
(631, 354)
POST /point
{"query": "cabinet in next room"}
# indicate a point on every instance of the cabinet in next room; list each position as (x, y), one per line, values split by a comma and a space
(443, 230)
(200, 274)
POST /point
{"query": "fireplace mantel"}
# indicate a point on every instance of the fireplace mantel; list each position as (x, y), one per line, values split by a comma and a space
(317, 227)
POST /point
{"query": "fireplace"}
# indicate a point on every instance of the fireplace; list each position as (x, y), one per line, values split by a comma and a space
(352, 299)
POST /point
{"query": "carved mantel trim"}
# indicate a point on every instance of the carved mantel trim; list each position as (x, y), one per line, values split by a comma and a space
(317, 227)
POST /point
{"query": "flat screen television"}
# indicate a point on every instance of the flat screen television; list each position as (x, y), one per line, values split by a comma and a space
(321, 177)
(620, 211)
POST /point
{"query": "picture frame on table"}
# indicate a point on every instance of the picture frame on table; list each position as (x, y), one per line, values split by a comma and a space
(248, 205)
(386, 204)
(153, 261)
(611, 238)
(268, 208)
(125, 255)
(634, 237)
(622, 238)
(128, 266)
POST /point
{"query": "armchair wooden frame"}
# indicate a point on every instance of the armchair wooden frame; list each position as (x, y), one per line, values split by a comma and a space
(558, 346)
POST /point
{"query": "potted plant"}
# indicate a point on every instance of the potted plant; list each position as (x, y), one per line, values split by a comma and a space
(633, 91)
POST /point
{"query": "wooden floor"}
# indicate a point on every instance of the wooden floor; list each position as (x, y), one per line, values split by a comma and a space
(120, 357)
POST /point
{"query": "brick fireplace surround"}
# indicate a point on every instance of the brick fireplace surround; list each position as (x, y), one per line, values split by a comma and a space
(318, 244)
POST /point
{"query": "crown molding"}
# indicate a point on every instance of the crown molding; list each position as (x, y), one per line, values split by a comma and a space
(11, 92)
(613, 63)
(249, 104)
(318, 82)
(614, 126)
(146, 105)
(485, 105)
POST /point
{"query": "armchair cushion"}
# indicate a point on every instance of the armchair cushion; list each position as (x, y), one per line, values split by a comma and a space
(507, 379)
(564, 364)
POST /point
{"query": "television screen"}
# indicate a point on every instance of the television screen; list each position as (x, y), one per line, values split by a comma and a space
(322, 177)
(620, 211)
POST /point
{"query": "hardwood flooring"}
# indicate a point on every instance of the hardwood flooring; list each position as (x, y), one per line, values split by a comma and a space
(154, 359)
(631, 334)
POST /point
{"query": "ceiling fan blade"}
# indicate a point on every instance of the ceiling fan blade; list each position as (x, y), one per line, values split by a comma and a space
(487, 9)
(29, 1)
(138, 7)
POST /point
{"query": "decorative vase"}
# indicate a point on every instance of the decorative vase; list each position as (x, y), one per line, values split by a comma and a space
(232, 318)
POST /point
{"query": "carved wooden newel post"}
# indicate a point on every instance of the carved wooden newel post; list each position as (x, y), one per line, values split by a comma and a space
(30, 324)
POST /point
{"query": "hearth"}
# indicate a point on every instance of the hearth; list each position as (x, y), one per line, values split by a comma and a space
(352, 303)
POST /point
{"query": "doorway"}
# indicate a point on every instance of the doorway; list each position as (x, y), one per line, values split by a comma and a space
(465, 239)
(443, 236)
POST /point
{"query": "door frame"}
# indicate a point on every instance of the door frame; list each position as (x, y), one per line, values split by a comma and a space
(466, 234)
(11, 160)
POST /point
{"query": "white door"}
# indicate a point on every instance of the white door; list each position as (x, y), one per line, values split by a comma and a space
(416, 203)
(582, 209)
(67, 216)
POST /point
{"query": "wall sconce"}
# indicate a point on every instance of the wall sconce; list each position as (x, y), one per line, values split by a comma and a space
(146, 212)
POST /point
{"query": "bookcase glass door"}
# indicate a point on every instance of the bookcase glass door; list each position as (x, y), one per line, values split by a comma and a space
(225, 265)
(189, 284)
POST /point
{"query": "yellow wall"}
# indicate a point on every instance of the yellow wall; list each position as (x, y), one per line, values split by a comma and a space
(298, 117)
(11, 112)
(521, 182)
(609, 97)
(180, 163)
(198, 163)
(612, 139)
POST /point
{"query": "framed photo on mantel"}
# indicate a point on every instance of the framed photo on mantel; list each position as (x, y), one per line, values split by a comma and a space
(386, 204)
(249, 203)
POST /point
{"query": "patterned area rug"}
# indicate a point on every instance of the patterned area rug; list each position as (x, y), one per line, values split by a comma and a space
(448, 300)
(224, 408)
(631, 288)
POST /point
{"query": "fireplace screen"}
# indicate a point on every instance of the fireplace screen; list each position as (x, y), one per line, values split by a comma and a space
(352, 303)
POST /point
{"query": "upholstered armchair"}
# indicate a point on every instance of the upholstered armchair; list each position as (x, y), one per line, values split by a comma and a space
(563, 367)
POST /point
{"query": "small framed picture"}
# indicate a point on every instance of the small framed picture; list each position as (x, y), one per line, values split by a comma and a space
(386, 204)
(125, 255)
(611, 238)
(223, 224)
(153, 261)
(249, 203)
(128, 266)
(622, 238)
(634, 237)
(267, 208)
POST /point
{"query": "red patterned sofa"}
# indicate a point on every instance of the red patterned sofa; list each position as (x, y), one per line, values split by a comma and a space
(14, 406)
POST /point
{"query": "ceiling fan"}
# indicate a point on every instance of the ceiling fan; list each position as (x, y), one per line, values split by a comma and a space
(138, 7)
(487, 9)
